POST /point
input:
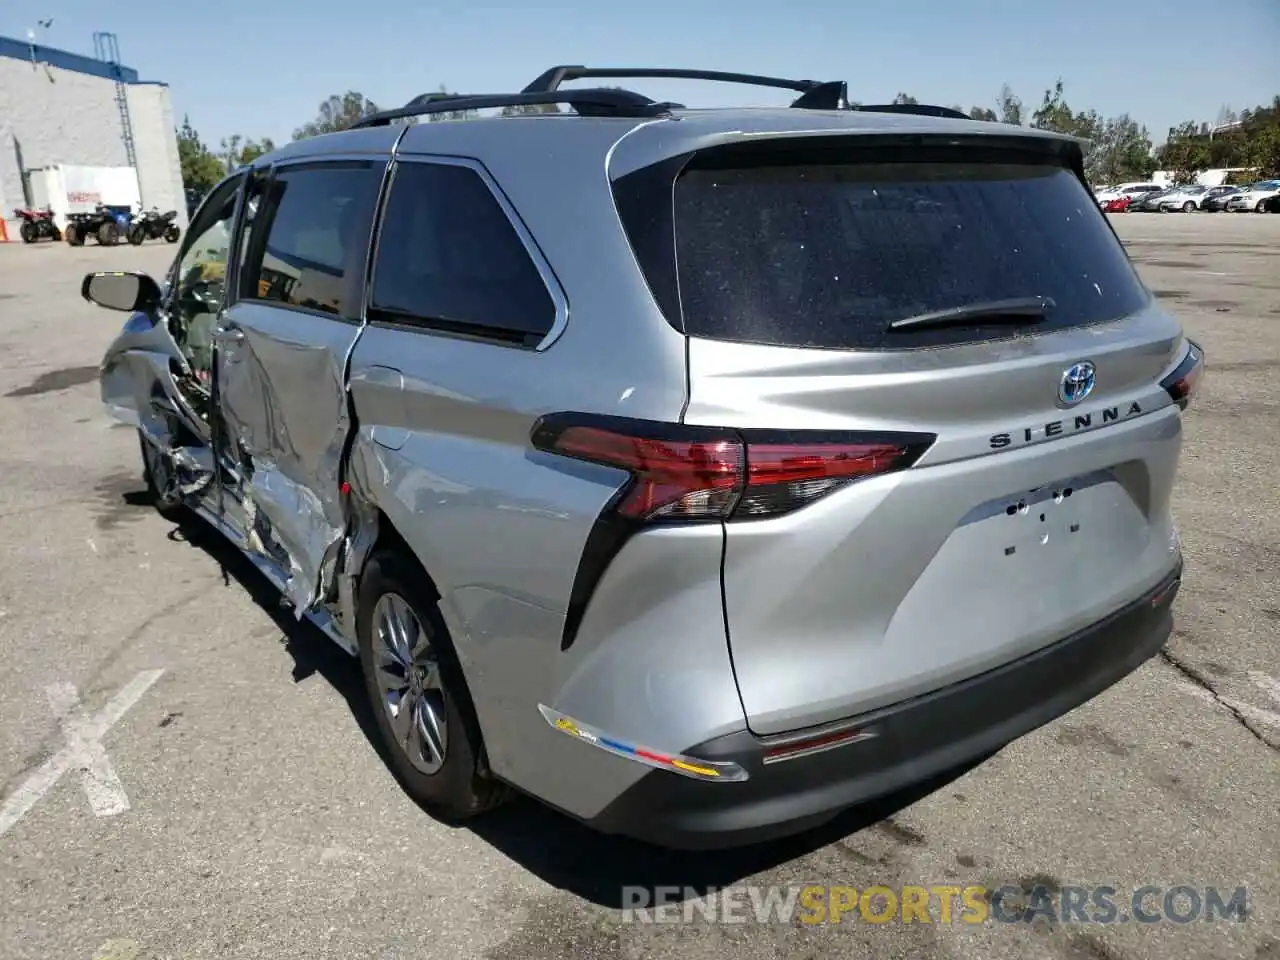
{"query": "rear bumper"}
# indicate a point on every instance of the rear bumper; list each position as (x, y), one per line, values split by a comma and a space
(915, 740)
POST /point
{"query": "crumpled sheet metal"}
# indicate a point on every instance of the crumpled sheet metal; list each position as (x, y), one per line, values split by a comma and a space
(299, 525)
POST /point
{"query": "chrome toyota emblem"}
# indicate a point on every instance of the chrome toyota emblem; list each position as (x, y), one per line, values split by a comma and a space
(1077, 383)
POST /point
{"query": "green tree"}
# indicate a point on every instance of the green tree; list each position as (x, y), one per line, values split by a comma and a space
(906, 100)
(1121, 151)
(983, 113)
(238, 151)
(200, 168)
(1185, 153)
(1054, 113)
(1009, 107)
(337, 113)
(1263, 153)
(253, 149)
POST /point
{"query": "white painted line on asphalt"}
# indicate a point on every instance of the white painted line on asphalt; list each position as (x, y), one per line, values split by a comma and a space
(83, 751)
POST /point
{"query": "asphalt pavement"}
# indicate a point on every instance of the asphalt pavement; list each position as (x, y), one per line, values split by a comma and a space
(186, 772)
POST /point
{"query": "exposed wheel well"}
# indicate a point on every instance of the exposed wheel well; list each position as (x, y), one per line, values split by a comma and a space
(389, 538)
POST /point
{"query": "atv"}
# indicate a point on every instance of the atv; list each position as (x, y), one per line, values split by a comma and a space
(37, 224)
(152, 225)
(106, 224)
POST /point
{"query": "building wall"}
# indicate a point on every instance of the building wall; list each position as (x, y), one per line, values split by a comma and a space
(62, 109)
(156, 148)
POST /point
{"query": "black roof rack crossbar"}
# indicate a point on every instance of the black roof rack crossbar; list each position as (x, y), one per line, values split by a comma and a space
(591, 103)
(551, 79)
(919, 109)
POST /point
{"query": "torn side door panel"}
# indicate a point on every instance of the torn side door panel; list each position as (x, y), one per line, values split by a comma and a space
(283, 399)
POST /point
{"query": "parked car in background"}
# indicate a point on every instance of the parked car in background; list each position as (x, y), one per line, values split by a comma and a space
(1185, 198)
(1215, 198)
(1254, 198)
(1149, 202)
(1134, 190)
(1117, 204)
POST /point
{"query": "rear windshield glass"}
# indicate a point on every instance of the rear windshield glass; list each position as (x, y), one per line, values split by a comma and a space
(828, 255)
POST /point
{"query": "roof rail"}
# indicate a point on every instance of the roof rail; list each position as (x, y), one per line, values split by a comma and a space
(920, 109)
(590, 103)
(815, 94)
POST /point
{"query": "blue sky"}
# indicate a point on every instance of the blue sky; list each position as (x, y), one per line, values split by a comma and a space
(260, 68)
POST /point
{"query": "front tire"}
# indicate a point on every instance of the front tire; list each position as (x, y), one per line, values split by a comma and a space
(1189, 207)
(73, 235)
(1260, 207)
(171, 234)
(417, 691)
(109, 234)
(28, 232)
(162, 483)
(136, 235)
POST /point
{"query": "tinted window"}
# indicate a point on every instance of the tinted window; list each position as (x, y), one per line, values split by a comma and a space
(448, 257)
(310, 234)
(828, 255)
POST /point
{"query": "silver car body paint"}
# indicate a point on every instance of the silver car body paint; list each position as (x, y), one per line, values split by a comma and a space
(867, 597)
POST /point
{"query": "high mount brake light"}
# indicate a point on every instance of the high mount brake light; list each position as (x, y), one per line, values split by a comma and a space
(1184, 381)
(692, 473)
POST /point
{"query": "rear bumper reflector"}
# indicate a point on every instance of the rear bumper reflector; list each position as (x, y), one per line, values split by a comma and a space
(705, 770)
(795, 748)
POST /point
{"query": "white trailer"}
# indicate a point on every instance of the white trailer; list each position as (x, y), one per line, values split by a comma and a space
(74, 189)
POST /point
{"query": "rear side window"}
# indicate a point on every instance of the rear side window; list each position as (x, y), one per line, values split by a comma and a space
(450, 259)
(829, 254)
(308, 237)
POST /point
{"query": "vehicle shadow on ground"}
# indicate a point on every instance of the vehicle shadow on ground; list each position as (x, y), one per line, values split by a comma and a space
(559, 850)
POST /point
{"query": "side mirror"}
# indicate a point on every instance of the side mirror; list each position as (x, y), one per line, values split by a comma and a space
(121, 291)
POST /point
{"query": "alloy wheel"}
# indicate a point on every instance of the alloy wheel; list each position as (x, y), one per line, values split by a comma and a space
(408, 677)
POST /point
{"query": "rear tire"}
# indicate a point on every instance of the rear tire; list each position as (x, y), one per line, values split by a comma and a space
(1189, 207)
(1261, 207)
(109, 234)
(28, 232)
(171, 234)
(73, 235)
(137, 235)
(57, 235)
(455, 789)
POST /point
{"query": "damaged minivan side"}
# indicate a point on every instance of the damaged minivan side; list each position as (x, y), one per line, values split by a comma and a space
(650, 460)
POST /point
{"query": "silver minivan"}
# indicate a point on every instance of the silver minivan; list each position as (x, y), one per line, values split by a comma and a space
(701, 473)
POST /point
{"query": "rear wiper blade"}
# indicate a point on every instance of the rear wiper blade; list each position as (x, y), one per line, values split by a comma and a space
(1016, 310)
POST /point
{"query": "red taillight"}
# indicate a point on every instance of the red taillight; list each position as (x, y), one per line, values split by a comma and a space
(674, 479)
(1183, 383)
(698, 473)
(784, 476)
